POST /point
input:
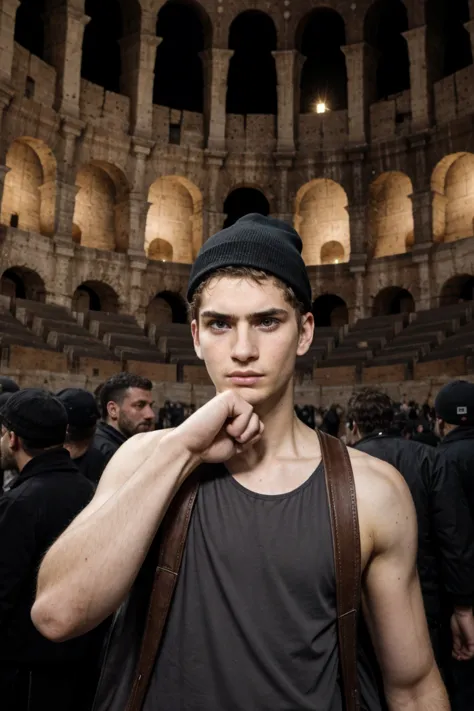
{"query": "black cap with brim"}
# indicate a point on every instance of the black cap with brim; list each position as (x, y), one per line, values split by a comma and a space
(37, 416)
(455, 403)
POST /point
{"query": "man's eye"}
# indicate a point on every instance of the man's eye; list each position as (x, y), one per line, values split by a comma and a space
(218, 325)
(269, 322)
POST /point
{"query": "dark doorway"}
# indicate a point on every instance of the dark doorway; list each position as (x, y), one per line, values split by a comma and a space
(384, 23)
(101, 59)
(330, 310)
(179, 81)
(252, 83)
(29, 26)
(242, 202)
(324, 75)
(393, 300)
(457, 290)
(95, 296)
(164, 305)
(22, 283)
(449, 41)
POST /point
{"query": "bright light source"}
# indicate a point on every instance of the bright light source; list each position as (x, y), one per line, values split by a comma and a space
(321, 107)
(336, 261)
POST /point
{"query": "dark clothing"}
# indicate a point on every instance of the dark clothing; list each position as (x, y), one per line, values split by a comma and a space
(426, 437)
(445, 530)
(457, 452)
(106, 442)
(91, 464)
(253, 619)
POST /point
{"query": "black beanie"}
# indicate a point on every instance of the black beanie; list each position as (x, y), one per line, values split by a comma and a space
(257, 242)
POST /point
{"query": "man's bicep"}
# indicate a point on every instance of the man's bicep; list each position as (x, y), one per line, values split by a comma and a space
(392, 600)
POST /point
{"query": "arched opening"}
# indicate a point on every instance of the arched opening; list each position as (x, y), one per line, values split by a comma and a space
(29, 26)
(384, 23)
(449, 41)
(252, 81)
(186, 31)
(324, 75)
(393, 300)
(166, 307)
(332, 253)
(453, 197)
(322, 217)
(391, 214)
(95, 296)
(457, 290)
(244, 201)
(101, 61)
(22, 283)
(175, 219)
(330, 310)
(30, 187)
(101, 213)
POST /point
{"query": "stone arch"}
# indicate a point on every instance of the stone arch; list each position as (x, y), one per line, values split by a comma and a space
(332, 252)
(95, 296)
(243, 201)
(22, 283)
(186, 30)
(457, 289)
(321, 216)
(30, 186)
(448, 39)
(393, 300)
(29, 26)
(252, 80)
(175, 217)
(166, 307)
(452, 183)
(330, 310)
(391, 222)
(319, 38)
(384, 23)
(101, 59)
(160, 250)
(101, 213)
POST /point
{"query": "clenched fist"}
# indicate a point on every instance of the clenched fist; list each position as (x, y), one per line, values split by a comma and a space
(220, 429)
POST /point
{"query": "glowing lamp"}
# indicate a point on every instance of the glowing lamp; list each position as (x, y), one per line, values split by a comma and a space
(321, 107)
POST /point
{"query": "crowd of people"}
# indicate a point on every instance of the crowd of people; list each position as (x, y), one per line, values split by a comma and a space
(54, 448)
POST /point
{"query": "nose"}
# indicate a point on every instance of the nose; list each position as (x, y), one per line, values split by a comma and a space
(148, 413)
(244, 347)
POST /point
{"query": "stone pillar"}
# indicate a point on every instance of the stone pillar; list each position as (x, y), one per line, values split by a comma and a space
(288, 69)
(3, 174)
(8, 10)
(358, 311)
(421, 257)
(422, 202)
(213, 216)
(63, 268)
(469, 25)
(283, 164)
(216, 71)
(138, 74)
(361, 66)
(63, 49)
(138, 205)
(66, 189)
(420, 78)
(138, 267)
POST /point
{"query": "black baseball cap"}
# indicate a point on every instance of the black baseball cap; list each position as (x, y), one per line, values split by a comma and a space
(455, 403)
(7, 385)
(37, 416)
(81, 407)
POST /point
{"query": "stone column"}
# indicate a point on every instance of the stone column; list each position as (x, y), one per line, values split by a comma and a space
(3, 174)
(138, 267)
(213, 216)
(283, 164)
(63, 49)
(422, 259)
(8, 10)
(63, 270)
(469, 25)
(138, 74)
(66, 189)
(288, 69)
(361, 66)
(138, 205)
(422, 202)
(358, 311)
(420, 78)
(216, 71)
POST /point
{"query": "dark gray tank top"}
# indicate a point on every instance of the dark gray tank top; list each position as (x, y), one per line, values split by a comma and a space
(252, 626)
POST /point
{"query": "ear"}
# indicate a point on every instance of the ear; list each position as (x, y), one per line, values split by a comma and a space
(113, 410)
(13, 442)
(196, 339)
(306, 334)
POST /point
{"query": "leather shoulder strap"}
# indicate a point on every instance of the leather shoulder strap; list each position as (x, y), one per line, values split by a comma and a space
(346, 540)
(173, 531)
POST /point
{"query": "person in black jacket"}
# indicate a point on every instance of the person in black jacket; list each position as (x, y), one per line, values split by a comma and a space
(126, 404)
(83, 414)
(46, 496)
(445, 529)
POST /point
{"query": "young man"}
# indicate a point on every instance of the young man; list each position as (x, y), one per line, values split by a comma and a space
(253, 619)
(126, 404)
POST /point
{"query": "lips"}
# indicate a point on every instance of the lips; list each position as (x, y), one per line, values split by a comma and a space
(245, 378)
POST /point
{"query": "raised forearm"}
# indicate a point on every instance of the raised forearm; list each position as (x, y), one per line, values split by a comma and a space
(428, 694)
(87, 573)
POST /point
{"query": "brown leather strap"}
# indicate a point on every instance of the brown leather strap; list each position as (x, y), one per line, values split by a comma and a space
(174, 531)
(346, 540)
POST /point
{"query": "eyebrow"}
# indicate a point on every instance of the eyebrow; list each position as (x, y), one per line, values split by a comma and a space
(257, 314)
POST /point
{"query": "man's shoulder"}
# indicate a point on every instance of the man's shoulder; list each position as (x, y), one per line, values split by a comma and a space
(378, 483)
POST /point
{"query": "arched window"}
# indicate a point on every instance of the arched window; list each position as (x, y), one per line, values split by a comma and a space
(384, 23)
(330, 310)
(161, 250)
(252, 83)
(391, 214)
(332, 252)
(449, 41)
(166, 307)
(457, 290)
(453, 198)
(29, 26)
(101, 61)
(185, 32)
(22, 283)
(324, 76)
(95, 296)
(244, 201)
(393, 300)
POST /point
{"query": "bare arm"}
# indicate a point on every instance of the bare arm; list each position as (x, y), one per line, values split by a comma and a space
(88, 572)
(393, 605)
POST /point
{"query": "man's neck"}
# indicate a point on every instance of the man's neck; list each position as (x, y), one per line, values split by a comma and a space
(77, 449)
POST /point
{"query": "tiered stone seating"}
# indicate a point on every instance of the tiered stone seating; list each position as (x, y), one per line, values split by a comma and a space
(14, 332)
(175, 343)
(121, 334)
